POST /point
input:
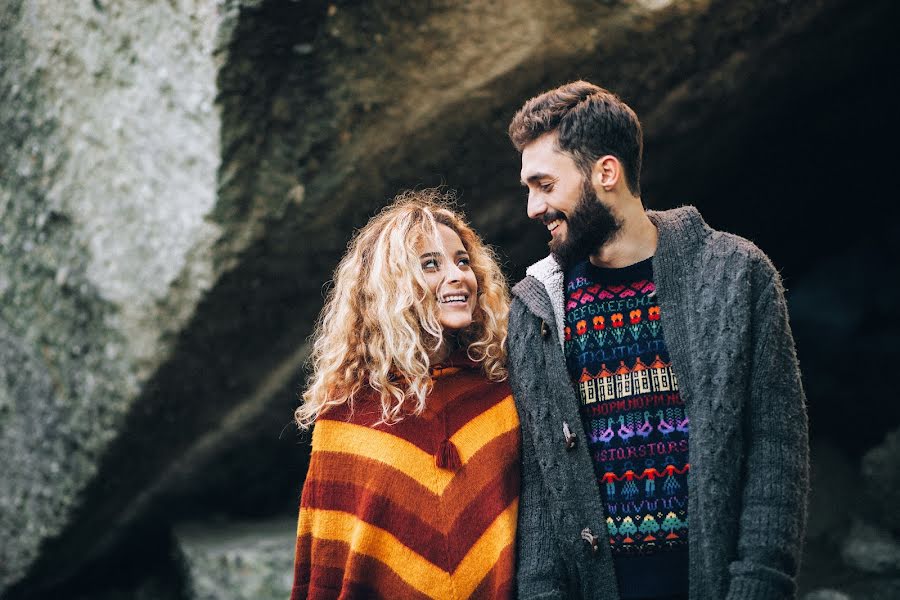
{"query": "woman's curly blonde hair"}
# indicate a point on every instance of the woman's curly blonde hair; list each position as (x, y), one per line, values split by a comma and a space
(380, 321)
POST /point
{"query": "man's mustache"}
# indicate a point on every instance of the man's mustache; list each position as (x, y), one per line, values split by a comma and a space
(551, 215)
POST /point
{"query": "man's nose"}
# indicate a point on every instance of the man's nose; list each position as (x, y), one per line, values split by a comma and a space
(536, 207)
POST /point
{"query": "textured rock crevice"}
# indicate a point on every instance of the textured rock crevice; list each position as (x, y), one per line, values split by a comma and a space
(63, 352)
(109, 154)
(179, 179)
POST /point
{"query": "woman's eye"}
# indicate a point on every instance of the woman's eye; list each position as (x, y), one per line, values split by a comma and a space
(430, 264)
(464, 262)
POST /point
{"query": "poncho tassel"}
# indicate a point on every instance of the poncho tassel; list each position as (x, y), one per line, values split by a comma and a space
(447, 457)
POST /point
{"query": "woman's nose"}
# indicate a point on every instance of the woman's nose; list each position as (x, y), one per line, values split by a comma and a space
(454, 273)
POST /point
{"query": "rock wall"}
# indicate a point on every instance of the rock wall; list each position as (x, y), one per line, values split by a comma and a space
(178, 178)
(109, 155)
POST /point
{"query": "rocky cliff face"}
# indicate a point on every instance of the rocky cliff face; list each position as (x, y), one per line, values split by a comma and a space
(178, 179)
(110, 154)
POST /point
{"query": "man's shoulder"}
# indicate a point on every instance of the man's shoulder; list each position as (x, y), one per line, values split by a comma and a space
(727, 242)
(526, 286)
(544, 269)
(527, 295)
(733, 247)
(538, 277)
(684, 227)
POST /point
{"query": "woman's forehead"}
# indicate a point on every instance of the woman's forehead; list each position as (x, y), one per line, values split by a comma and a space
(447, 241)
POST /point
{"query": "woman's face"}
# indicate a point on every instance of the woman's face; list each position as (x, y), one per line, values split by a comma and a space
(445, 263)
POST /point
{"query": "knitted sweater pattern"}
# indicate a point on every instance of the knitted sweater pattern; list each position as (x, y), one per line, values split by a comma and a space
(425, 508)
(634, 423)
(732, 352)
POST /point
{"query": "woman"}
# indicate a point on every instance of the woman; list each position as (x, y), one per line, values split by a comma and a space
(413, 483)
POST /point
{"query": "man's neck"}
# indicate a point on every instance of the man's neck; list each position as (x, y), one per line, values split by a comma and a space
(634, 242)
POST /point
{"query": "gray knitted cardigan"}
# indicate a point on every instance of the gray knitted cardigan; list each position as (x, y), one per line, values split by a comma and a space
(725, 324)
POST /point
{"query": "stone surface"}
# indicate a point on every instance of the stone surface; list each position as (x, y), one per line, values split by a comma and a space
(109, 154)
(874, 588)
(178, 179)
(871, 550)
(833, 493)
(826, 594)
(239, 561)
(25, 385)
(882, 482)
(843, 307)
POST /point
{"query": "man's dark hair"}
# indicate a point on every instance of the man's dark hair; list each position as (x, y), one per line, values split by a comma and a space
(590, 121)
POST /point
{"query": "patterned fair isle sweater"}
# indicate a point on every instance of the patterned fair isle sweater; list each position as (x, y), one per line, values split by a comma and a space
(425, 508)
(635, 423)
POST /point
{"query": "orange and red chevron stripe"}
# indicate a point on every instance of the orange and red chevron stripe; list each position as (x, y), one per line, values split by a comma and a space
(380, 518)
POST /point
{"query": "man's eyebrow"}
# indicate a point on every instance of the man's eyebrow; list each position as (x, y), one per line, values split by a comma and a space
(534, 178)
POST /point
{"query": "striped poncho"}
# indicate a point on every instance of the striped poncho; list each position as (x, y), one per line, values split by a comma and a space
(425, 508)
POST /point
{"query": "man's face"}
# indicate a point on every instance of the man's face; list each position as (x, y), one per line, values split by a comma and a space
(563, 199)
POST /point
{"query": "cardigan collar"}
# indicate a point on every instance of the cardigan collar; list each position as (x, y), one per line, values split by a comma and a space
(542, 288)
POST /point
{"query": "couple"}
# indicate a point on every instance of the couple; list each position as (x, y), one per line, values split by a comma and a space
(639, 431)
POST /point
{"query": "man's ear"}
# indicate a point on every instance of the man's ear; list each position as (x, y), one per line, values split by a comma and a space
(606, 172)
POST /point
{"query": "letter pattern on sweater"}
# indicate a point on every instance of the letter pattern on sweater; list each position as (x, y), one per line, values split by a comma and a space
(635, 422)
(425, 508)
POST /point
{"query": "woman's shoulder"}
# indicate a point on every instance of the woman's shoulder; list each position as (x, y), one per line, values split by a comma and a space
(452, 387)
(364, 409)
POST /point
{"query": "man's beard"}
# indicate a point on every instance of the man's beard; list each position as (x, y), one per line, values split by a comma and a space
(590, 226)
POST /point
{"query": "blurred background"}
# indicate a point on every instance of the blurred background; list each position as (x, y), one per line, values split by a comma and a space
(178, 178)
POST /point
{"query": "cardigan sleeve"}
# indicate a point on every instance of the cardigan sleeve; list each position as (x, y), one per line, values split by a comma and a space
(776, 463)
(539, 568)
(538, 564)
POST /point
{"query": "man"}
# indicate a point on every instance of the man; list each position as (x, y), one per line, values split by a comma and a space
(664, 426)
